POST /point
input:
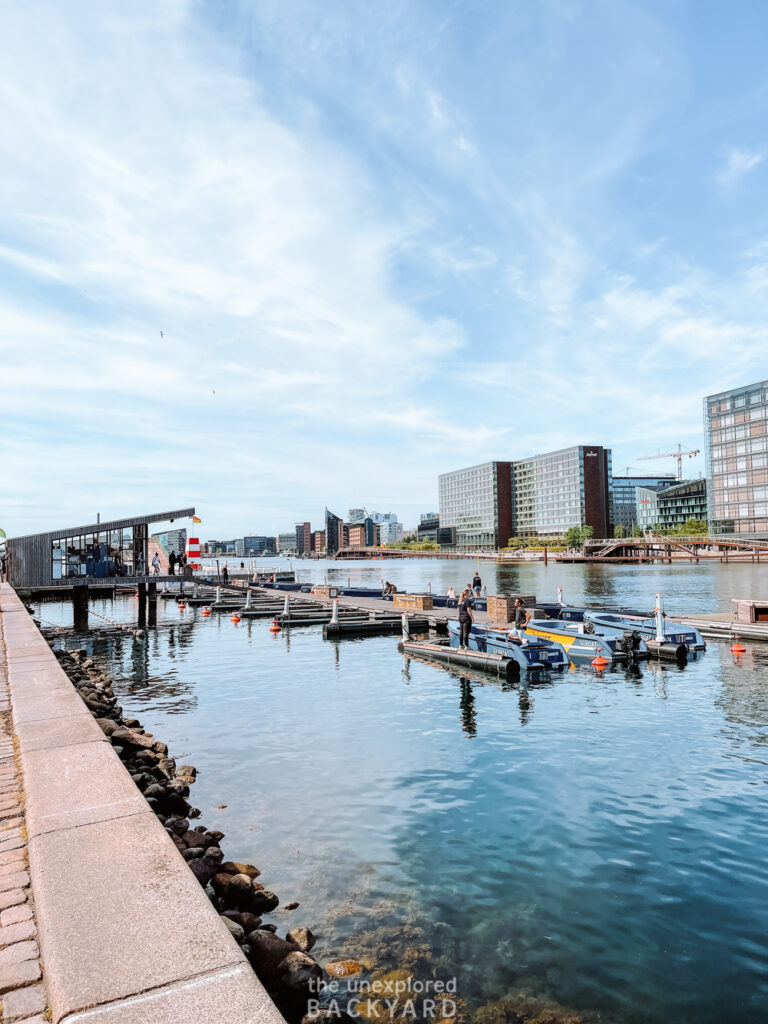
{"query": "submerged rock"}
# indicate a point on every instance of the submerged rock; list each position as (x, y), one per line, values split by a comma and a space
(235, 867)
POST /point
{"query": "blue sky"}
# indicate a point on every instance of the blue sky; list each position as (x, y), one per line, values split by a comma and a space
(382, 241)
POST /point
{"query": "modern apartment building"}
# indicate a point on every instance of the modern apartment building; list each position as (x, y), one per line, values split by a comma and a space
(558, 490)
(663, 508)
(625, 512)
(259, 545)
(735, 428)
(390, 532)
(172, 540)
(318, 542)
(286, 542)
(303, 538)
(477, 503)
(540, 496)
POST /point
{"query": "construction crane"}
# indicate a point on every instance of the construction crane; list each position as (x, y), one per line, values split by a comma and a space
(673, 455)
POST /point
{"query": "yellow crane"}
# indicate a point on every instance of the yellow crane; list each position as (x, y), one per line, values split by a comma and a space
(675, 454)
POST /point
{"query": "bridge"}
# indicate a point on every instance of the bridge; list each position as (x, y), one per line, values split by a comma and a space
(661, 548)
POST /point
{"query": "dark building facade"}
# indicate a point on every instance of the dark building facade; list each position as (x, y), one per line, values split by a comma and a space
(334, 533)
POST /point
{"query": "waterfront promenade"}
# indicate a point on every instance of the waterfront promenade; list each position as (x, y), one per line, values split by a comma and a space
(126, 934)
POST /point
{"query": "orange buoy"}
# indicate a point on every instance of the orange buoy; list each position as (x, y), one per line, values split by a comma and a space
(274, 626)
(600, 661)
(234, 618)
(737, 648)
(206, 612)
(182, 606)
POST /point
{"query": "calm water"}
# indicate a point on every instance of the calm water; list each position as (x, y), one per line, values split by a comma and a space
(600, 843)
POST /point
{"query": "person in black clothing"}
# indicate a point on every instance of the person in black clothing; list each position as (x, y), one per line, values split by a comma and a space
(225, 574)
(465, 617)
(477, 584)
(522, 617)
(172, 559)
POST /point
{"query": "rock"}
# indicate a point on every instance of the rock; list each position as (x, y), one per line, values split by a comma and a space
(269, 927)
(193, 812)
(202, 871)
(130, 738)
(236, 930)
(216, 836)
(264, 901)
(132, 723)
(240, 887)
(343, 968)
(188, 771)
(297, 971)
(220, 882)
(249, 921)
(213, 855)
(160, 748)
(302, 937)
(106, 725)
(158, 792)
(194, 853)
(235, 867)
(267, 951)
(291, 906)
(180, 826)
(193, 839)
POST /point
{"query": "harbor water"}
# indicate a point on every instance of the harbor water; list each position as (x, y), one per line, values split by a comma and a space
(595, 842)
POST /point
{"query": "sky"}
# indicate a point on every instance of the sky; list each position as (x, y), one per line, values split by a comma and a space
(270, 256)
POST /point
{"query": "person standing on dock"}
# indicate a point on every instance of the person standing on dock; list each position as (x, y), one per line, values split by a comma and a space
(172, 563)
(465, 617)
(477, 583)
(156, 564)
(225, 574)
(522, 618)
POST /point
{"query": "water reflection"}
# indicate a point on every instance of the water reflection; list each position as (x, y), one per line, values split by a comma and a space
(467, 704)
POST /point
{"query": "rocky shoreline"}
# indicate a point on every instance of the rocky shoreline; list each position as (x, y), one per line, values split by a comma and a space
(284, 965)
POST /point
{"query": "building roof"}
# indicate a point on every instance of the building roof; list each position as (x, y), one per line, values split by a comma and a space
(114, 524)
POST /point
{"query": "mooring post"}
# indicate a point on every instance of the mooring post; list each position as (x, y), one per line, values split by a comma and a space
(349, 581)
(325, 579)
(334, 613)
(218, 595)
(406, 628)
(80, 607)
(545, 554)
(152, 604)
(181, 588)
(560, 596)
(194, 591)
(165, 587)
(429, 586)
(142, 592)
(286, 608)
(659, 613)
(248, 599)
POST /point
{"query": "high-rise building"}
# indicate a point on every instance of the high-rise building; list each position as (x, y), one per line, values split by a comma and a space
(477, 502)
(172, 540)
(334, 533)
(428, 527)
(736, 431)
(625, 497)
(390, 532)
(286, 542)
(356, 515)
(541, 496)
(558, 490)
(303, 538)
(318, 542)
(681, 501)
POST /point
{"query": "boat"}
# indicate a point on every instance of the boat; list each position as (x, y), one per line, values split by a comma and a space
(583, 647)
(656, 628)
(530, 654)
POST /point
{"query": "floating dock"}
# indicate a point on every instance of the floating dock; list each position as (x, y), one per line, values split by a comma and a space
(372, 627)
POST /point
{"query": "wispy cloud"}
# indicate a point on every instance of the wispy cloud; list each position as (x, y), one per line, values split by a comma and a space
(737, 165)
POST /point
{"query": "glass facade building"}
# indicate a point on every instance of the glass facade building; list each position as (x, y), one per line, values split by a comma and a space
(736, 431)
(625, 510)
(476, 503)
(558, 490)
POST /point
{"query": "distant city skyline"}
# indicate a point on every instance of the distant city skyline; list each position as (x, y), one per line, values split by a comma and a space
(269, 257)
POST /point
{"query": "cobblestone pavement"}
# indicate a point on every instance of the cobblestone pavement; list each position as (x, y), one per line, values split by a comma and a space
(21, 987)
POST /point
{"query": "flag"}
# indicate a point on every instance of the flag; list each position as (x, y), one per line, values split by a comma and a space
(196, 519)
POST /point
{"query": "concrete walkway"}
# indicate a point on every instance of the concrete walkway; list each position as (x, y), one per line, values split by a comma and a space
(127, 934)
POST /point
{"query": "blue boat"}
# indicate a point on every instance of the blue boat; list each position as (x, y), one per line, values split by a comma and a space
(655, 627)
(531, 654)
(583, 647)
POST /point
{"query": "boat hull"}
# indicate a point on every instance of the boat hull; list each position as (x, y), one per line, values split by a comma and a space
(585, 647)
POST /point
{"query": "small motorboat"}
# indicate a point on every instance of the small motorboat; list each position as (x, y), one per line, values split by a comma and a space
(528, 653)
(663, 637)
(583, 647)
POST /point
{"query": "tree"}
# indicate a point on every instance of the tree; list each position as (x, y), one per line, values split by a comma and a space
(620, 531)
(587, 533)
(573, 537)
(637, 531)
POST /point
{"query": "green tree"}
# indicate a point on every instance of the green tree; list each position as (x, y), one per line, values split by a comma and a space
(587, 533)
(573, 537)
(620, 531)
(637, 531)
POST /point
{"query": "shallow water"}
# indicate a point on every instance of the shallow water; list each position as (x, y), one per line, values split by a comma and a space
(596, 841)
